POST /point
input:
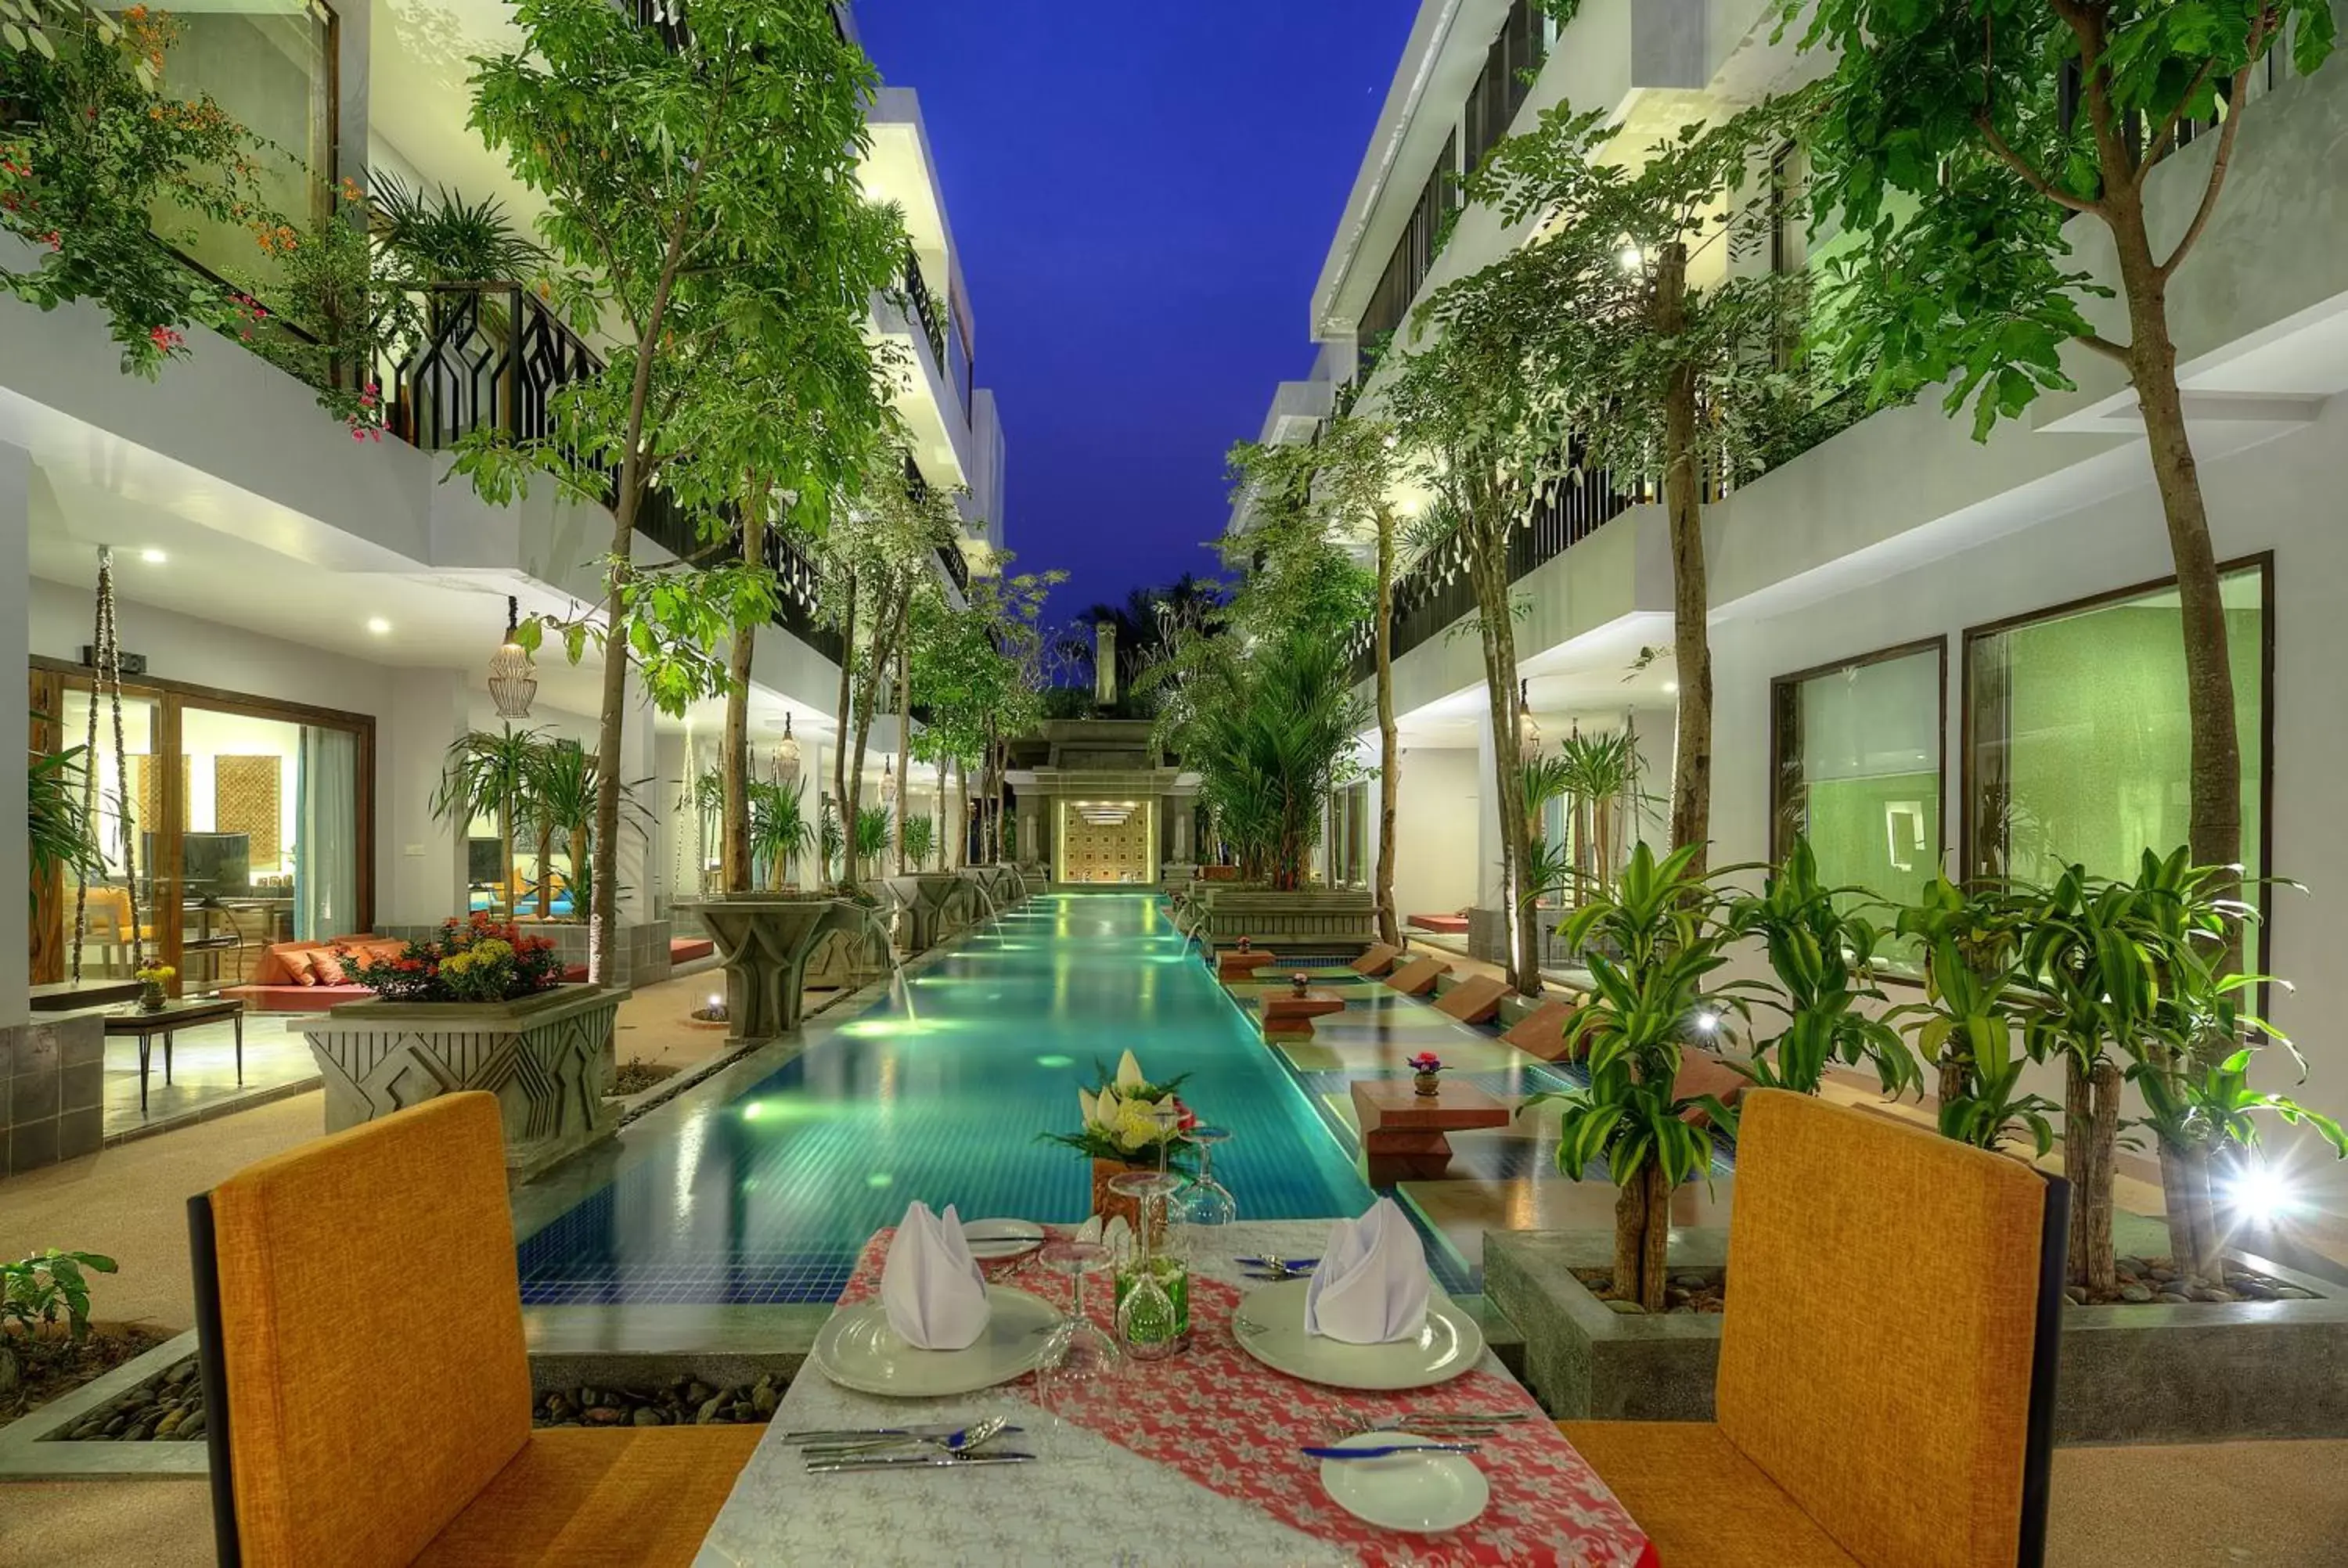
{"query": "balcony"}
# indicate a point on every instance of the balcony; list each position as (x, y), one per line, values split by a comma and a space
(925, 309)
(491, 357)
(950, 556)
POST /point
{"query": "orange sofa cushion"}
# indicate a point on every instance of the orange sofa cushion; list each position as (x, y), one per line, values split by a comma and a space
(581, 1497)
(366, 1277)
(1703, 1503)
(1931, 1384)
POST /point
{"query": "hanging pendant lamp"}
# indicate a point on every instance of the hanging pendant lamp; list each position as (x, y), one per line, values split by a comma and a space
(1529, 735)
(888, 781)
(512, 683)
(786, 756)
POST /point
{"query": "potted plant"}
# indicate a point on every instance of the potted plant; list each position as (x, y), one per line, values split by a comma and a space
(1426, 1074)
(1669, 922)
(152, 977)
(1129, 1123)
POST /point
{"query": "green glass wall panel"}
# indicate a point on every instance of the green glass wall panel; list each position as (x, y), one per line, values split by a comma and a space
(1858, 765)
(2080, 738)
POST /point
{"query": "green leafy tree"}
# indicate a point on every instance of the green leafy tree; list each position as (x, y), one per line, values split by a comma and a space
(875, 568)
(95, 148)
(690, 176)
(1338, 488)
(1960, 142)
(1653, 372)
(1271, 734)
(978, 671)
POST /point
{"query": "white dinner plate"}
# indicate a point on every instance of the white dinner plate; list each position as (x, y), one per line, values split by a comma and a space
(994, 1240)
(856, 1348)
(1447, 1344)
(1405, 1491)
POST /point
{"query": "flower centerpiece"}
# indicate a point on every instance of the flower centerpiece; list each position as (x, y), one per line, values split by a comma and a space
(152, 977)
(1301, 981)
(1130, 1124)
(1427, 1069)
(476, 960)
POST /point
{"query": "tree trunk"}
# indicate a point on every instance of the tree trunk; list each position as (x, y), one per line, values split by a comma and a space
(940, 813)
(962, 815)
(734, 758)
(904, 727)
(1487, 567)
(1389, 737)
(1629, 1237)
(2214, 823)
(2090, 1136)
(1653, 1258)
(1691, 598)
(512, 870)
(545, 867)
(839, 745)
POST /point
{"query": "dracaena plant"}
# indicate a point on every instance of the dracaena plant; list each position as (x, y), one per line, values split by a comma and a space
(1668, 927)
(1822, 953)
(1968, 1017)
(2195, 1085)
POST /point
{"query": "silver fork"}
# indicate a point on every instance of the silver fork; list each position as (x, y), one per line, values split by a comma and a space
(971, 1437)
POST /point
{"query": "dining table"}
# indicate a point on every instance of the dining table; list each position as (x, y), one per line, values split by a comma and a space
(1194, 1459)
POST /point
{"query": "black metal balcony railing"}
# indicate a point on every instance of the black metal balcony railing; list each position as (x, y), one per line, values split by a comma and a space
(949, 555)
(926, 307)
(491, 357)
(1438, 591)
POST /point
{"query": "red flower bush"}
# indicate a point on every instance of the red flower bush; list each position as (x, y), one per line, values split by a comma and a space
(475, 960)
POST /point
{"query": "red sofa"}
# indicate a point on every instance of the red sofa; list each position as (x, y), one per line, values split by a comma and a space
(274, 988)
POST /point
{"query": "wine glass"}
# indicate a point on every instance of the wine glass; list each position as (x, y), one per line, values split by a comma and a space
(1081, 1352)
(1205, 1209)
(1153, 1287)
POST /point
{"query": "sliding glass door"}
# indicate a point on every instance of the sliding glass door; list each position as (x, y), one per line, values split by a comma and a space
(227, 825)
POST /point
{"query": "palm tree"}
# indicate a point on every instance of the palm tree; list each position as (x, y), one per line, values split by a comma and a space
(779, 833)
(562, 794)
(1268, 739)
(487, 775)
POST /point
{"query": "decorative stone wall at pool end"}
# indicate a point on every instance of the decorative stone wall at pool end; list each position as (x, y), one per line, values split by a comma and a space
(1311, 920)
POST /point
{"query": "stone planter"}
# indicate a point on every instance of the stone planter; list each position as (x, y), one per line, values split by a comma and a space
(765, 942)
(2206, 1372)
(1310, 920)
(547, 1057)
(936, 904)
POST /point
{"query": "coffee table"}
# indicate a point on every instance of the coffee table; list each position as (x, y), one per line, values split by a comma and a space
(1403, 1131)
(168, 1021)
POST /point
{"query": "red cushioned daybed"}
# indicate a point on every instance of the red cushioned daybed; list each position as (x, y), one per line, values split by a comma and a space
(286, 980)
(1450, 925)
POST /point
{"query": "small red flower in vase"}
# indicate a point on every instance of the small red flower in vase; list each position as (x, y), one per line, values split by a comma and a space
(1428, 1071)
(1245, 946)
(1301, 980)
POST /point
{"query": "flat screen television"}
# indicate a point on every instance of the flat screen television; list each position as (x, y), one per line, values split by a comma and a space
(212, 864)
(485, 861)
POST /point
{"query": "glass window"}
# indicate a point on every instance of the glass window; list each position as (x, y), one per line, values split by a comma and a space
(270, 66)
(1857, 748)
(2079, 740)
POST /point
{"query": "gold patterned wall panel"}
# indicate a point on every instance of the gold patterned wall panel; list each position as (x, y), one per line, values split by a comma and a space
(1107, 851)
(147, 789)
(247, 798)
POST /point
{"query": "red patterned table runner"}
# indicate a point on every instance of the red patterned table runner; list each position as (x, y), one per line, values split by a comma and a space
(1235, 1426)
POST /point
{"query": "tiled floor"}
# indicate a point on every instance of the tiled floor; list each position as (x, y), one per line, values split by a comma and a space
(203, 1080)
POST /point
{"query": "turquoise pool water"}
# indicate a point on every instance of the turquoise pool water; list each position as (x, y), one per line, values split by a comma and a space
(939, 1093)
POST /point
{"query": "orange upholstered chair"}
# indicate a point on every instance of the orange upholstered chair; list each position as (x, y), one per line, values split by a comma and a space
(353, 1282)
(1865, 1412)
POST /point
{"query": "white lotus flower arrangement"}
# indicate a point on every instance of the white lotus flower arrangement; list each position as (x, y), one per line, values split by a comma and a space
(1128, 1116)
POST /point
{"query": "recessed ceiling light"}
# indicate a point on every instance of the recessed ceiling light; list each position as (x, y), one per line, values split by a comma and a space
(153, 558)
(378, 625)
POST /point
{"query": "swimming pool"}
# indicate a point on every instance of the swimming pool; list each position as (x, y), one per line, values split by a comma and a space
(939, 1092)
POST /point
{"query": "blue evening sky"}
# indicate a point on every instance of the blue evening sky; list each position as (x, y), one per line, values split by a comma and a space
(1143, 196)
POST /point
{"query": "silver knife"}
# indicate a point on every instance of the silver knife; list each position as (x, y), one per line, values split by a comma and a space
(914, 1461)
(874, 1434)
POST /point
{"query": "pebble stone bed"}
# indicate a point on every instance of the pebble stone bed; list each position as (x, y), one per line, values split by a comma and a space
(170, 1408)
(680, 1402)
(2145, 1280)
(166, 1407)
(1685, 1294)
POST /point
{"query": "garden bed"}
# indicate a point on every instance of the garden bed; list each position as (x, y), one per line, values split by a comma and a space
(54, 1368)
(636, 1075)
(681, 1401)
(2191, 1370)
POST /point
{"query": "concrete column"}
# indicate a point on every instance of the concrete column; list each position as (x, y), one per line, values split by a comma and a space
(1490, 891)
(640, 852)
(674, 875)
(1185, 812)
(16, 611)
(420, 878)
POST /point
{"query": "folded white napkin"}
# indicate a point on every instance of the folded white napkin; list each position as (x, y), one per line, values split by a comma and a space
(1372, 1284)
(931, 1286)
